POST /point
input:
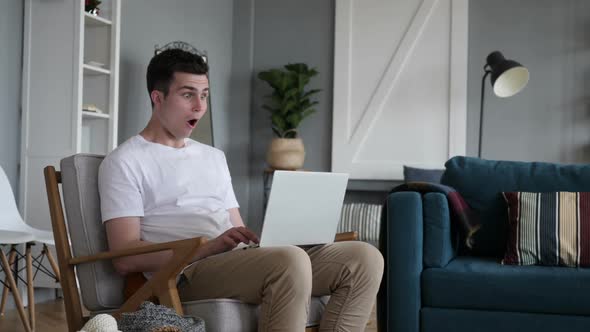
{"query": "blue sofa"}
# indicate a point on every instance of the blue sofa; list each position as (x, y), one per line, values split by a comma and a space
(431, 283)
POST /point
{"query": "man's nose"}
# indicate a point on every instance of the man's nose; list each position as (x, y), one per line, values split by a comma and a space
(199, 105)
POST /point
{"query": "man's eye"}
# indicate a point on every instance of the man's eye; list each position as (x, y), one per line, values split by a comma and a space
(187, 95)
(203, 97)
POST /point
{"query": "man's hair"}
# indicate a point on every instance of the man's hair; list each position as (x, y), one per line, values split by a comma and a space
(160, 71)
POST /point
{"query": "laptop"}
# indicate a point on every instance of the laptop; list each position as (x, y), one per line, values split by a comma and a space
(303, 208)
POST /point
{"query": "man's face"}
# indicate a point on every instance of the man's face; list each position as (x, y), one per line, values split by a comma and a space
(185, 104)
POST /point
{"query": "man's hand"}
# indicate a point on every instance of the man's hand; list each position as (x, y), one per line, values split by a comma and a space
(230, 239)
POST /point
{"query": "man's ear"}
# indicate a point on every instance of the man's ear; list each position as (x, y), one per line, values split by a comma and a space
(157, 97)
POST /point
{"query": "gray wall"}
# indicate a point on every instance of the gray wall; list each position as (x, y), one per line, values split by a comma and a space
(207, 25)
(291, 31)
(11, 39)
(238, 125)
(550, 119)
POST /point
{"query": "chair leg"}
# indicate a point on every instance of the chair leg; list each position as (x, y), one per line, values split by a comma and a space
(15, 293)
(47, 252)
(5, 289)
(30, 286)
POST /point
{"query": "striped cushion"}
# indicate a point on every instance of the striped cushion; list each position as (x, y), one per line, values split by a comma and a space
(363, 218)
(548, 228)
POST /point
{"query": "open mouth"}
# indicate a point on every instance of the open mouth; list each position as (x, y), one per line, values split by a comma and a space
(192, 123)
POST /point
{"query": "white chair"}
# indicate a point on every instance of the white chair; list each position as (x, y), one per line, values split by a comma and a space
(14, 232)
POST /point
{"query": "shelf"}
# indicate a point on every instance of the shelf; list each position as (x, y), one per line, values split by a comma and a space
(94, 71)
(372, 185)
(96, 21)
(93, 115)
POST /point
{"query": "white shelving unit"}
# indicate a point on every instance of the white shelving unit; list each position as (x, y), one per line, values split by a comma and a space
(94, 20)
(90, 70)
(70, 60)
(93, 115)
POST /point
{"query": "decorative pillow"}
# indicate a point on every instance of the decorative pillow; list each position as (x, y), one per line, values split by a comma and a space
(550, 228)
(363, 218)
(413, 174)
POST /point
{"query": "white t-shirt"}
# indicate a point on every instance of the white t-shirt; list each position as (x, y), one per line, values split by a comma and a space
(178, 193)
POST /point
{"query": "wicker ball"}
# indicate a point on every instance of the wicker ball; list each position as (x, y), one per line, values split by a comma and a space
(101, 323)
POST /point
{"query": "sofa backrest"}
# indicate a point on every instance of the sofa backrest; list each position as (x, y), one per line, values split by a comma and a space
(481, 183)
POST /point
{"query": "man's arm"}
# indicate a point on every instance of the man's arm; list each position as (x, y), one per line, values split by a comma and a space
(123, 233)
(235, 217)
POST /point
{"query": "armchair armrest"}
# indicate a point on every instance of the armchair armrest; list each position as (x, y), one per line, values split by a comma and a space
(346, 236)
(172, 245)
(163, 284)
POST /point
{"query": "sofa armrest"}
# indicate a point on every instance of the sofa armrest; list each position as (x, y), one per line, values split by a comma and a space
(416, 233)
(401, 243)
(439, 249)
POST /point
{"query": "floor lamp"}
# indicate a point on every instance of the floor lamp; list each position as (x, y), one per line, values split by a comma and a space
(508, 77)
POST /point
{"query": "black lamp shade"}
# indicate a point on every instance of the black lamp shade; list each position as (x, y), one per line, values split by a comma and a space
(508, 77)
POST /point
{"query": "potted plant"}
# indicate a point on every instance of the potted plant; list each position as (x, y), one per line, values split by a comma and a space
(289, 104)
(91, 6)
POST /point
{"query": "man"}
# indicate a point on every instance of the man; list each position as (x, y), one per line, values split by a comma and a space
(162, 186)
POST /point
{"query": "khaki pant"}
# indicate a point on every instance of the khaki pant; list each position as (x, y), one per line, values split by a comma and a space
(282, 280)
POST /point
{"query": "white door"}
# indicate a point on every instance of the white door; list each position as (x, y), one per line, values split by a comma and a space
(400, 85)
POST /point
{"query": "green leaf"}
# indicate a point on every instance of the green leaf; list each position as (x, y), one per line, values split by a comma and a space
(294, 119)
(273, 77)
(292, 133)
(276, 99)
(305, 103)
(289, 103)
(278, 122)
(277, 132)
(297, 67)
(291, 93)
(288, 106)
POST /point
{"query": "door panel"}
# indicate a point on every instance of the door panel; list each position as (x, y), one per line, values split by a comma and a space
(400, 79)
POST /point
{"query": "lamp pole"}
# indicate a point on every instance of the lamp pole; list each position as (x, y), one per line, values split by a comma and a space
(508, 78)
(487, 70)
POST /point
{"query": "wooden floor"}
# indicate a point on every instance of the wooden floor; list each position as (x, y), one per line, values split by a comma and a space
(51, 317)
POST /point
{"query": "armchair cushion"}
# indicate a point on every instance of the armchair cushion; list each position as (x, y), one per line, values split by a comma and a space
(100, 284)
(233, 315)
(483, 284)
(550, 228)
(481, 183)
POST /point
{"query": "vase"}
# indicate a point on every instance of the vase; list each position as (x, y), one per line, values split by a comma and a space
(286, 153)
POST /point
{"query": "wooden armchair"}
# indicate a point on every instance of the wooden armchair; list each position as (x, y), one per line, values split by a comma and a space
(83, 256)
